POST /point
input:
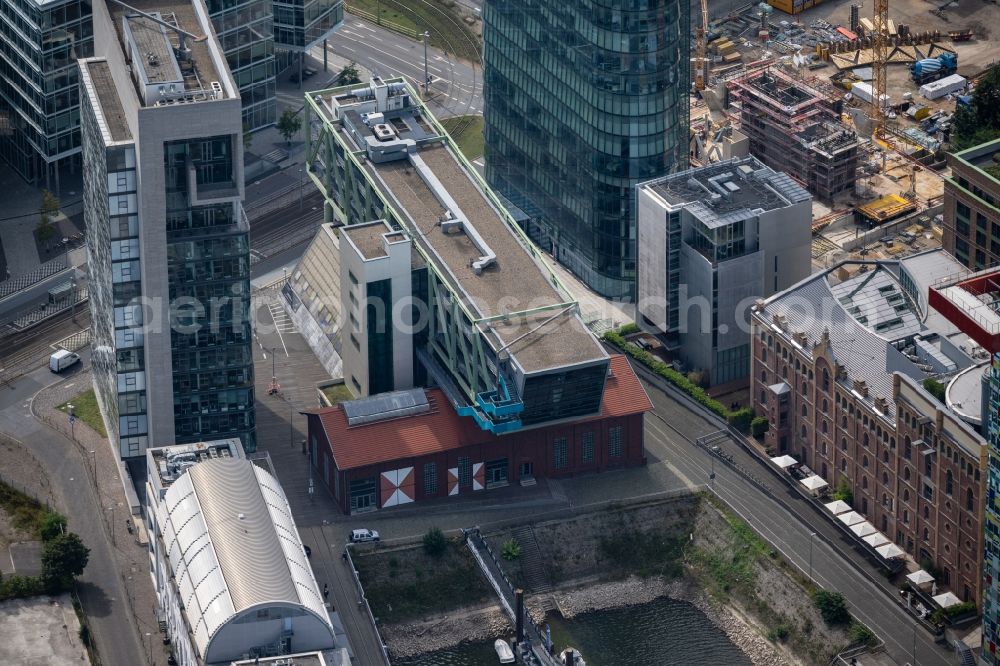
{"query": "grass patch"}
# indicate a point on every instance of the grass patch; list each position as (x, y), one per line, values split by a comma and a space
(86, 409)
(645, 554)
(337, 393)
(408, 585)
(447, 31)
(470, 138)
(26, 513)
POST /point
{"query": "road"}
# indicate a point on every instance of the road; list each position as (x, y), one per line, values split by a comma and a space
(102, 592)
(670, 431)
(457, 85)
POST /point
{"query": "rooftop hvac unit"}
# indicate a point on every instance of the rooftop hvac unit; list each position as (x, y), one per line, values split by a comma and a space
(216, 89)
(384, 132)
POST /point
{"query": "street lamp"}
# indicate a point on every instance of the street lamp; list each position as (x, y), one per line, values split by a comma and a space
(72, 420)
(93, 457)
(811, 535)
(149, 644)
(427, 79)
(300, 187)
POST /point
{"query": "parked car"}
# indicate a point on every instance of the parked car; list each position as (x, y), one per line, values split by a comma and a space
(361, 536)
(62, 359)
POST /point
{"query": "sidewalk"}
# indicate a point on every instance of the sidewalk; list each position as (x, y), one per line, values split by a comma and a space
(132, 559)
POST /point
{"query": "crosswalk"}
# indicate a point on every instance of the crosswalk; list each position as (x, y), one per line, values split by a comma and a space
(282, 322)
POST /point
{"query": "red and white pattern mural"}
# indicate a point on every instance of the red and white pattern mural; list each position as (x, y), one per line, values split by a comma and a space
(397, 487)
(452, 480)
(478, 476)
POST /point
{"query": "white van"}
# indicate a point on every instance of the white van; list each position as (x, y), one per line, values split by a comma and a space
(62, 359)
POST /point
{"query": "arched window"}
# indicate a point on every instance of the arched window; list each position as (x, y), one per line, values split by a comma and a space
(843, 443)
(823, 473)
(864, 440)
(843, 465)
(885, 500)
(763, 397)
(864, 482)
(927, 534)
(907, 448)
(906, 495)
(826, 380)
(823, 426)
(885, 457)
(805, 411)
(906, 473)
(885, 479)
(970, 500)
(810, 374)
(784, 372)
(948, 483)
(763, 354)
(824, 448)
(803, 431)
(763, 376)
(864, 461)
(927, 513)
(843, 422)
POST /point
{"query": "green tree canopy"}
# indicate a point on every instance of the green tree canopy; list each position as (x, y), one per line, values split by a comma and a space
(289, 124)
(979, 122)
(63, 559)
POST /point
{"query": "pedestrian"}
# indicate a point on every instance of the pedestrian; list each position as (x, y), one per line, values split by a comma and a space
(326, 591)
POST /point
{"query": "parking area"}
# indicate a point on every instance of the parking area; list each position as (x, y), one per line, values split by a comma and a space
(40, 630)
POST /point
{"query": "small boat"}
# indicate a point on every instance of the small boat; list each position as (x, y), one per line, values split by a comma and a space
(503, 651)
(577, 657)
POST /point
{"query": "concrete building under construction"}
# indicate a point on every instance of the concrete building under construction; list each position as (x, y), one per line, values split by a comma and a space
(795, 128)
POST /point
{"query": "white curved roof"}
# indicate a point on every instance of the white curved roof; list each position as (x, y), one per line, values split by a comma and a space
(232, 545)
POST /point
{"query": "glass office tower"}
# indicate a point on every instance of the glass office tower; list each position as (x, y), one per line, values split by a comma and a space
(246, 34)
(301, 24)
(583, 101)
(40, 43)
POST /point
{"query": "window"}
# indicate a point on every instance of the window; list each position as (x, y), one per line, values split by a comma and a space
(615, 441)
(843, 443)
(430, 479)
(559, 453)
(464, 471)
(825, 382)
(587, 447)
(906, 473)
(864, 462)
(948, 483)
(970, 500)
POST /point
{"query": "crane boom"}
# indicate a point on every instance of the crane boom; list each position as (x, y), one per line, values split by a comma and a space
(880, 56)
(701, 62)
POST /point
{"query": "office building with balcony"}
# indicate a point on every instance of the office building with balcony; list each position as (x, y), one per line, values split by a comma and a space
(484, 318)
(839, 364)
(972, 206)
(583, 101)
(40, 42)
(711, 240)
(229, 569)
(168, 240)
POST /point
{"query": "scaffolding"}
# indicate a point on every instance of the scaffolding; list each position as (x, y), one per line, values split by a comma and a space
(794, 126)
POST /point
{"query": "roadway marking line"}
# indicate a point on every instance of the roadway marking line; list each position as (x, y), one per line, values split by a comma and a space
(362, 40)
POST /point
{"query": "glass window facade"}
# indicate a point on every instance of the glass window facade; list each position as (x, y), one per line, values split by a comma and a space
(246, 34)
(39, 95)
(208, 264)
(583, 101)
(991, 563)
(300, 24)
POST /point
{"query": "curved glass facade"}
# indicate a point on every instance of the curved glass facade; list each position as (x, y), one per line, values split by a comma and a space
(583, 101)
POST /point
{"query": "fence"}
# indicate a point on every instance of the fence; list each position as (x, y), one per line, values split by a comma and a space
(363, 601)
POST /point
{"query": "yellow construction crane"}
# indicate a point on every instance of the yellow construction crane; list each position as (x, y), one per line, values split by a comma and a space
(880, 57)
(701, 62)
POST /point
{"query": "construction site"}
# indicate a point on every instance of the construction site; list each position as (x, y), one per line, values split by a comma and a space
(795, 84)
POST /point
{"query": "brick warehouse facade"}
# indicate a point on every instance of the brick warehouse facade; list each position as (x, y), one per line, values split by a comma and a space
(915, 469)
(395, 460)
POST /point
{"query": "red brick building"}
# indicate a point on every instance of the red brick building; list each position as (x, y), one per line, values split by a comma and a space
(411, 445)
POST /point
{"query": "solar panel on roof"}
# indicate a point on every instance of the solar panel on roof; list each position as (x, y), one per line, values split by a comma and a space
(385, 406)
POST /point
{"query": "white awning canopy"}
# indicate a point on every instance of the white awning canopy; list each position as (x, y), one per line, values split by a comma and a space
(814, 482)
(920, 577)
(784, 461)
(851, 518)
(863, 529)
(890, 551)
(838, 507)
(875, 540)
(947, 599)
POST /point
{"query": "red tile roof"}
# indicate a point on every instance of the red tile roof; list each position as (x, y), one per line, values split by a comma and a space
(442, 429)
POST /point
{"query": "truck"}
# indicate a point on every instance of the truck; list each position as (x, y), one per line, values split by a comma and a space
(932, 69)
(62, 359)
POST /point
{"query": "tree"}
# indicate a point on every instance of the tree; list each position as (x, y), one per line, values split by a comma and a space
(935, 388)
(247, 137)
(759, 426)
(511, 550)
(435, 542)
(289, 124)
(63, 559)
(832, 606)
(49, 208)
(844, 491)
(349, 75)
(979, 121)
(53, 524)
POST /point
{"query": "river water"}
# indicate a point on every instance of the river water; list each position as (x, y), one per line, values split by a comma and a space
(664, 632)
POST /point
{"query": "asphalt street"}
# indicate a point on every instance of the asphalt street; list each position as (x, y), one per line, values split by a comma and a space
(670, 431)
(101, 590)
(456, 89)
